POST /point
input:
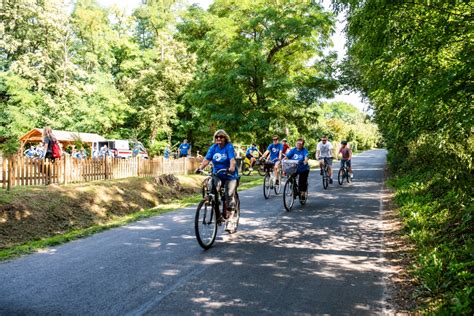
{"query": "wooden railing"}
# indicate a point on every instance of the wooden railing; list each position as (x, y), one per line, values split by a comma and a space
(22, 171)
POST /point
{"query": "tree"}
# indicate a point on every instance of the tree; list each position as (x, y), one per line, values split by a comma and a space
(254, 64)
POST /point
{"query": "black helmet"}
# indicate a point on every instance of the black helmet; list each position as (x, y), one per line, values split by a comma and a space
(344, 142)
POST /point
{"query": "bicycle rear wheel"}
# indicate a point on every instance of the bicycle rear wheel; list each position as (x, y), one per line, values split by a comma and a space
(205, 224)
(340, 176)
(246, 169)
(288, 195)
(267, 186)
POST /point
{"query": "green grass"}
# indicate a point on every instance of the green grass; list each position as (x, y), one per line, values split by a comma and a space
(438, 218)
(32, 246)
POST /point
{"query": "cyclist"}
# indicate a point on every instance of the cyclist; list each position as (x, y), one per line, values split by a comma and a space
(250, 154)
(346, 153)
(222, 156)
(300, 153)
(324, 150)
(274, 150)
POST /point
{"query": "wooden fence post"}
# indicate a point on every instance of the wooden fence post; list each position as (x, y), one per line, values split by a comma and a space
(10, 173)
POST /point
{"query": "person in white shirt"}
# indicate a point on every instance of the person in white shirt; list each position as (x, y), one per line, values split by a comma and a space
(324, 150)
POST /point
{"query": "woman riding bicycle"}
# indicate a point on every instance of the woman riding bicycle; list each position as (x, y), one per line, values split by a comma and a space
(222, 156)
(301, 154)
(274, 150)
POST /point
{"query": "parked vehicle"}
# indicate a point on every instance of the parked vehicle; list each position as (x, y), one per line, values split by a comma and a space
(119, 148)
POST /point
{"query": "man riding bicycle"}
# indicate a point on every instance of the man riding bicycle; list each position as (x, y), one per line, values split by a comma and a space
(301, 154)
(275, 151)
(222, 155)
(324, 150)
(346, 153)
(250, 154)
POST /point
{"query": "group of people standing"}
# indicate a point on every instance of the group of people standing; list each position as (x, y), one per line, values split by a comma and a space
(223, 156)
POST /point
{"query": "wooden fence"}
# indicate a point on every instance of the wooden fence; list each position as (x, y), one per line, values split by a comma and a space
(22, 171)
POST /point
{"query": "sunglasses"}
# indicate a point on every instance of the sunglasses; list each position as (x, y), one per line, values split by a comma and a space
(219, 136)
(324, 140)
(275, 139)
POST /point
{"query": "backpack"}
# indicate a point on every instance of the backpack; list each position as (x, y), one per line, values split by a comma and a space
(56, 150)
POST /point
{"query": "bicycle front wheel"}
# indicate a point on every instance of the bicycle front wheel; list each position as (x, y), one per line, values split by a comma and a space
(340, 176)
(246, 169)
(267, 186)
(348, 177)
(288, 195)
(205, 223)
(325, 180)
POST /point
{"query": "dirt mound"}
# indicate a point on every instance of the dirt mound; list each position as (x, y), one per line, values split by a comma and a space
(32, 213)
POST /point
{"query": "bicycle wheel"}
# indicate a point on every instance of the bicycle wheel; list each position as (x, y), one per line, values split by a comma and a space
(288, 195)
(277, 187)
(246, 169)
(205, 224)
(261, 169)
(267, 186)
(340, 176)
(235, 219)
(325, 179)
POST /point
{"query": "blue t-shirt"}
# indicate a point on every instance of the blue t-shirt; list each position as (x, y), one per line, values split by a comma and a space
(274, 150)
(250, 150)
(300, 155)
(183, 148)
(220, 158)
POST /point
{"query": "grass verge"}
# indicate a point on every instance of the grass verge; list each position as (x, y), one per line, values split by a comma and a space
(438, 219)
(114, 221)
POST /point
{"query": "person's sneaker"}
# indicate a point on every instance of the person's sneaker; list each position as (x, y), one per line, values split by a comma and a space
(251, 169)
(330, 180)
(229, 226)
(352, 175)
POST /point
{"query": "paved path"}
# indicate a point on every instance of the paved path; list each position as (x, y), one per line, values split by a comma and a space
(323, 258)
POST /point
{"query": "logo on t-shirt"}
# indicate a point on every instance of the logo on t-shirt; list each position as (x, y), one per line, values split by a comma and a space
(296, 156)
(219, 157)
(274, 150)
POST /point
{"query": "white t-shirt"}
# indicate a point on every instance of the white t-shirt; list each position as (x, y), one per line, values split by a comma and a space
(325, 150)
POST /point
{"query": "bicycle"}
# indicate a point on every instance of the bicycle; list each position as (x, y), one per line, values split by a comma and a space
(258, 165)
(291, 189)
(270, 181)
(325, 174)
(208, 213)
(343, 174)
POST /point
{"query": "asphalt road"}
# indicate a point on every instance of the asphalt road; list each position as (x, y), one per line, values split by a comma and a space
(323, 258)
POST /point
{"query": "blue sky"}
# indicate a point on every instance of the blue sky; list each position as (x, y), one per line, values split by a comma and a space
(338, 39)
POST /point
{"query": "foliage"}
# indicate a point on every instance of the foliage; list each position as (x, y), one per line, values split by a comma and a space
(253, 66)
(413, 61)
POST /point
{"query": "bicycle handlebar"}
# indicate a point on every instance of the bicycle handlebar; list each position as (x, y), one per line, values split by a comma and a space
(200, 171)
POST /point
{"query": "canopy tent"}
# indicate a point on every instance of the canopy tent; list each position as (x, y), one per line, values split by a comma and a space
(64, 137)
